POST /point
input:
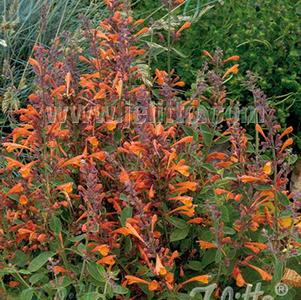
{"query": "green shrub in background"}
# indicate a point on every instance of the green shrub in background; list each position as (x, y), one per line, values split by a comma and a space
(26, 22)
(265, 33)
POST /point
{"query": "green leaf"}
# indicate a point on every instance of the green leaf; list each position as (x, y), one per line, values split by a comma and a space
(117, 135)
(35, 278)
(123, 197)
(39, 261)
(179, 53)
(27, 294)
(91, 296)
(208, 167)
(25, 272)
(283, 199)
(194, 265)
(209, 257)
(263, 187)
(179, 223)
(229, 230)
(222, 140)
(225, 214)
(55, 224)
(96, 271)
(62, 292)
(278, 271)
(128, 244)
(20, 259)
(120, 290)
(125, 214)
(190, 132)
(81, 248)
(179, 234)
(77, 238)
(218, 256)
(207, 134)
(13, 271)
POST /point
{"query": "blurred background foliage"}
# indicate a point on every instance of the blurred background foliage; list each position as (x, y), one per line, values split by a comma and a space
(265, 33)
(24, 23)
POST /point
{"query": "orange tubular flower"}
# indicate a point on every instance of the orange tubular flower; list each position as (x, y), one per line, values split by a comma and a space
(142, 31)
(160, 269)
(200, 278)
(185, 210)
(68, 79)
(207, 245)
(184, 140)
(264, 275)
(99, 155)
(129, 229)
(195, 221)
(182, 168)
(259, 130)
(124, 177)
(93, 141)
(66, 187)
(219, 191)
(11, 163)
(107, 260)
(183, 187)
(255, 247)
(75, 161)
(179, 84)
(23, 200)
(134, 232)
(13, 284)
(286, 144)
(26, 169)
(153, 285)
(186, 25)
(267, 169)
(151, 192)
(133, 279)
(286, 131)
(240, 282)
(232, 58)
(250, 179)
(179, 1)
(59, 269)
(217, 155)
(186, 200)
(18, 188)
(138, 22)
(10, 147)
(35, 64)
(111, 125)
(232, 70)
(206, 53)
(161, 76)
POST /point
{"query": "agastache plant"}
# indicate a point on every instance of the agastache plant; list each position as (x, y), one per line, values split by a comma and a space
(105, 198)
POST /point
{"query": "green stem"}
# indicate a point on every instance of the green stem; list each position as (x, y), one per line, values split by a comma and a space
(276, 202)
(86, 246)
(19, 277)
(256, 133)
(2, 284)
(150, 49)
(169, 38)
